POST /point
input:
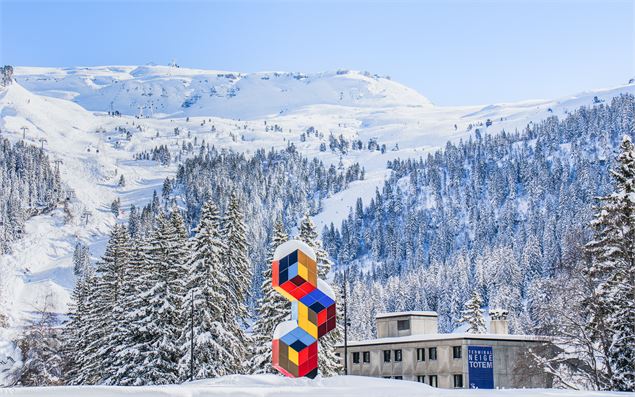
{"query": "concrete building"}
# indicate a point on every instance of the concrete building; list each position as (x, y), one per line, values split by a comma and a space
(409, 347)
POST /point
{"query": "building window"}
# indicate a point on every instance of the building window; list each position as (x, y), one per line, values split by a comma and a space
(386, 356)
(399, 377)
(356, 358)
(432, 353)
(397, 355)
(386, 377)
(403, 325)
(421, 354)
(432, 381)
(458, 381)
(421, 378)
(366, 357)
(456, 351)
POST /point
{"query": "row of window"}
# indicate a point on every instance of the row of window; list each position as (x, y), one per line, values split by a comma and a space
(421, 354)
(433, 380)
(366, 356)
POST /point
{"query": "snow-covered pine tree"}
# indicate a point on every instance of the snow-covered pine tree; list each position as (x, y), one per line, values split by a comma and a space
(133, 222)
(74, 337)
(329, 364)
(271, 310)
(574, 357)
(163, 320)
(237, 268)
(204, 299)
(127, 338)
(115, 207)
(473, 315)
(309, 235)
(179, 224)
(181, 254)
(102, 298)
(6, 75)
(81, 258)
(40, 346)
(612, 269)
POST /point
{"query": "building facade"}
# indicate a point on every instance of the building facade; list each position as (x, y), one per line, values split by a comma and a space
(409, 347)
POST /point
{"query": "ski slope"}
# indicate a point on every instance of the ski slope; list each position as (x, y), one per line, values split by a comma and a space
(277, 386)
(68, 107)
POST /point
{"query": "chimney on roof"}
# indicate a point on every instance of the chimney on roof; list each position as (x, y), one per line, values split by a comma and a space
(498, 322)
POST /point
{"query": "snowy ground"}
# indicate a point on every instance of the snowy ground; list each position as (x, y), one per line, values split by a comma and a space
(271, 385)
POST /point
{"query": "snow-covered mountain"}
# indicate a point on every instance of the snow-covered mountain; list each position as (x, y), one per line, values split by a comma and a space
(67, 111)
(178, 92)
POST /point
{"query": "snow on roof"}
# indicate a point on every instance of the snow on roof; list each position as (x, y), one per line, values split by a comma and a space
(411, 313)
(437, 337)
(290, 246)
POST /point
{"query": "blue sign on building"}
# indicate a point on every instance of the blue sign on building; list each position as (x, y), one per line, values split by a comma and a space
(480, 367)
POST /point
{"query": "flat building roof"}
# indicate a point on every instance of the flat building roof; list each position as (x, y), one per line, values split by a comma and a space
(442, 337)
(406, 314)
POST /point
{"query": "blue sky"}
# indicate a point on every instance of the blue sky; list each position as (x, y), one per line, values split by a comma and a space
(454, 52)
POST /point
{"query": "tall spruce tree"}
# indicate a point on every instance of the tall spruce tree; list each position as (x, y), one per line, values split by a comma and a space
(271, 310)
(203, 304)
(612, 269)
(81, 257)
(473, 315)
(101, 300)
(329, 363)
(74, 337)
(237, 269)
(163, 320)
(126, 339)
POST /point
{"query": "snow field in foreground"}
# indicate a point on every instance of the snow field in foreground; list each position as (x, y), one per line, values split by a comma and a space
(272, 385)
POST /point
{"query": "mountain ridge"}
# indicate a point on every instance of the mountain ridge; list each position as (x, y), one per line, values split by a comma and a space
(179, 92)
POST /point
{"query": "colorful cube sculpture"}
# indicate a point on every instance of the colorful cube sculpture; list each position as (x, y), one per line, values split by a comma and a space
(294, 275)
(313, 314)
(295, 354)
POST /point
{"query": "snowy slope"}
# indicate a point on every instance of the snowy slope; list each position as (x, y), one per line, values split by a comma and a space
(272, 385)
(68, 107)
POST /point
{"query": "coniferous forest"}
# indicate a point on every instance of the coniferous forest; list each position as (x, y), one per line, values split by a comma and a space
(513, 221)
(30, 186)
(520, 219)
